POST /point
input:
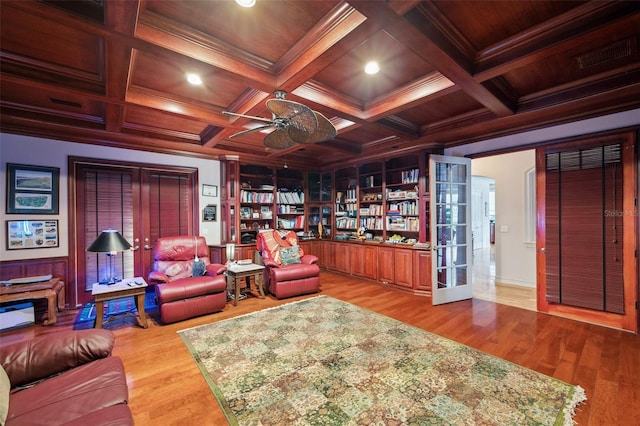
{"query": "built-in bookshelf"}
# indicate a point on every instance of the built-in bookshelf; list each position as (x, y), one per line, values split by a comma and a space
(386, 199)
(319, 207)
(371, 199)
(290, 202)
(402, 199)
(346, 202)
(256, 200)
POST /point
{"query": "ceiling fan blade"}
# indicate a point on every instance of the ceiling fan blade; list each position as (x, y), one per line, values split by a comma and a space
(251, 117)
(246, 132)
(324, 132)
(279, 139)
(300, 116)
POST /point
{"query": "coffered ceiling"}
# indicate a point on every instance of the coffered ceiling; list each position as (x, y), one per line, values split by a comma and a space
(451, 72)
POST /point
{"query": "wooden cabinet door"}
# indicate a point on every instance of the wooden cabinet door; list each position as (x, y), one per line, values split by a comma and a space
(309, 247)
(245, 253)
(403, 267)
(386, 265)
(342, 258)
(328, 255)
(422, 271)
(369, 262)
(357, 260)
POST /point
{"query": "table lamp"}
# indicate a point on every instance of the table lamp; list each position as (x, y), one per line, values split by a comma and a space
(110, 242)
(230, 252)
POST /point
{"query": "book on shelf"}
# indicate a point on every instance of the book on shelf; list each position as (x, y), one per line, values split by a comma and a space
(293, 223)
(256, 197)
(290, 197)
(410, 176)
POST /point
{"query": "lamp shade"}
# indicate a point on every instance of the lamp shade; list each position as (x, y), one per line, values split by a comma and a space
(108, 241)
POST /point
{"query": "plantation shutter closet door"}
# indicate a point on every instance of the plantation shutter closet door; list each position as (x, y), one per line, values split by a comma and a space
(143, 204)
(588, 264)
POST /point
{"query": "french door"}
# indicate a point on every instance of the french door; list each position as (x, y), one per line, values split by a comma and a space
(143, 203)
(450, 192)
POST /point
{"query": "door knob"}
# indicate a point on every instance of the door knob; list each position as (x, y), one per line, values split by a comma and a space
(543, 250)
(136, 248)
(147, 247)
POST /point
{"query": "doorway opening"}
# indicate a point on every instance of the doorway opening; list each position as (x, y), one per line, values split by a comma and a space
(497, 218)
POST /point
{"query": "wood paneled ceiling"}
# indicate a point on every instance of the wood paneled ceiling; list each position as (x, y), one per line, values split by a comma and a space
(452, 72)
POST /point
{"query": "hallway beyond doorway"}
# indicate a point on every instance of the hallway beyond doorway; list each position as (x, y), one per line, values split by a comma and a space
(485, 287)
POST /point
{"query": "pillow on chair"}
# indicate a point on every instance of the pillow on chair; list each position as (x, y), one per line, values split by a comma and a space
(198, 268)
(290, 255)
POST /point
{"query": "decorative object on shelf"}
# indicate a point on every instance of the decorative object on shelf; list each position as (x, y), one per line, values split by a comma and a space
(209, 213)
(29, 234)
(293, 123)
(209, 190)
(230, 251)
(109, 242)
(32, 189)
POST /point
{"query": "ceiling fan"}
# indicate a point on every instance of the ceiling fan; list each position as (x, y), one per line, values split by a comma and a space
(293, 123)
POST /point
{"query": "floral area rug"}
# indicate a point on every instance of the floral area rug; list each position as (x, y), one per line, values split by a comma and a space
(322, 361)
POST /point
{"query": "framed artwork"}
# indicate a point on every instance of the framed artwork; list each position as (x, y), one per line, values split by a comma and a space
(32, 189)
(209, 213)
(31, 234)
(209, 190)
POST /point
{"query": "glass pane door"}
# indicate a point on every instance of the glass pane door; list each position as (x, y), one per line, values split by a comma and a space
(451, 231)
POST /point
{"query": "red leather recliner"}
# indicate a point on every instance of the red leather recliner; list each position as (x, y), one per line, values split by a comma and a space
(63, 377)
(287, 275)
(181, 295)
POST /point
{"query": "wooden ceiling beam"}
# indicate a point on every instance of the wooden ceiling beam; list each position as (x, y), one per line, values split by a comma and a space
(161, 102)
(573, 29)
(415, 39)
(191, 44)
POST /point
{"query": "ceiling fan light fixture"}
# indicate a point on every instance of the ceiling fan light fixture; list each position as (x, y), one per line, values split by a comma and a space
(246, 3)
(371, 67)
(293, 123)
(194, 79)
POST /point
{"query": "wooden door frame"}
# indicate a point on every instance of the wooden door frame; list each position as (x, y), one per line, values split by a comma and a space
(629, 321)
(72, 163)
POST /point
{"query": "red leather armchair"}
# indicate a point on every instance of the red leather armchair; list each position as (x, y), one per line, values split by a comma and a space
(288, 270)
(181, 295)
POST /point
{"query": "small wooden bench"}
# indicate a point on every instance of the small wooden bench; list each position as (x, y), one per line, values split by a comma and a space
(52, 290)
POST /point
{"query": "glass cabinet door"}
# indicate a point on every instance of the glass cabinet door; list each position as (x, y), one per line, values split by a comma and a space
(313, 189)
(325, 187)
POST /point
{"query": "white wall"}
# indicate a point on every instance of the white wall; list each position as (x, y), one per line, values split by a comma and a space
(52, 153)
(515, 257)
(480, 214)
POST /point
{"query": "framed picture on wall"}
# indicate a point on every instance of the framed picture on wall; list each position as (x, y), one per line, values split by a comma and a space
(32, 189)
(31, 234)
(209, 190)
(209, 213)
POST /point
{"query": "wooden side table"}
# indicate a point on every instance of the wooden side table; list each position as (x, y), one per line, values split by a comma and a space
(52, 290)
(235, 273)
(128, 287)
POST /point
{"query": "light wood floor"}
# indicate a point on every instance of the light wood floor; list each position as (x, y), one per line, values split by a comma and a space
(166, 387)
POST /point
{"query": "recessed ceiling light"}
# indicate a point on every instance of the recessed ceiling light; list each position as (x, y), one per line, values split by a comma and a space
(371, 67)
(246, 3)
(194, 79)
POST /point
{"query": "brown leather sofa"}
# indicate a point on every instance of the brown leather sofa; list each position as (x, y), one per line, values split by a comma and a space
(288, 270)
(77, 382)
(181, 295)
